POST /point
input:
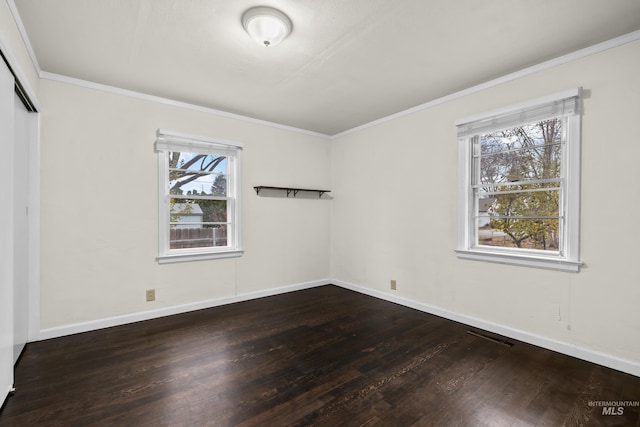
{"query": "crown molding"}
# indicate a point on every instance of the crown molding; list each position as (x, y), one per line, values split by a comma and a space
(45, 75)
(564, 59)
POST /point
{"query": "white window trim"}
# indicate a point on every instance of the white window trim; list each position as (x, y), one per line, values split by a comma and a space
(165, 142)
(569, 258)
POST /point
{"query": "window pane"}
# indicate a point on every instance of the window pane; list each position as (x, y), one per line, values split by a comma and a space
(185, 213)
(542, 234)
(198, 237)
(498, 225)
(190, 223)
(522, 153)
(197, 174)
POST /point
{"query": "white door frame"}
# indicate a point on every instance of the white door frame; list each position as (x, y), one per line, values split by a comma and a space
(34, 228)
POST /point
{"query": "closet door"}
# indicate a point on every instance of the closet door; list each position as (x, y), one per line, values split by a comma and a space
(6, 231)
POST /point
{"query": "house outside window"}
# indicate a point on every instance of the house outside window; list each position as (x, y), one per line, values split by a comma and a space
(199, 197)
(519, 170)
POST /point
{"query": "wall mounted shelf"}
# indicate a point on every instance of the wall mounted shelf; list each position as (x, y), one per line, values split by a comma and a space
(290, 190)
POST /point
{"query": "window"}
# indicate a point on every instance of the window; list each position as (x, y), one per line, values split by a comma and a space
(519, 172)
(199, 200)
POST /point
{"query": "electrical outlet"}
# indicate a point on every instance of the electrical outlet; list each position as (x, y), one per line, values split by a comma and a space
(151, 295)
(393, 285)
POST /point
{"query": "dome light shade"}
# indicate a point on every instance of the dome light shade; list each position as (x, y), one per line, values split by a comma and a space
(266, 25)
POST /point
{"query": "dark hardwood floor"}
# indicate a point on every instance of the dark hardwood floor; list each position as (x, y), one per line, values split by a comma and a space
(325, 356)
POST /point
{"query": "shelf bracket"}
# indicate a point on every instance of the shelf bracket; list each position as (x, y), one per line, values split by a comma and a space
(290, 190)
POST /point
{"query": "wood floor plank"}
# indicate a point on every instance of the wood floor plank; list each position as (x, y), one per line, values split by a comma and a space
(324, 356)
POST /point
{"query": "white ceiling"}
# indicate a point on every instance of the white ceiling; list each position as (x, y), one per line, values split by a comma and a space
(346, 63)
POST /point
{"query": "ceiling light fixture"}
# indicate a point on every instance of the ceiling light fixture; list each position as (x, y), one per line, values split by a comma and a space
(267, 26)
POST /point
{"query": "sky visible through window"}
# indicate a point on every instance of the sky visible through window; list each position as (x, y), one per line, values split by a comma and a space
(196, 174)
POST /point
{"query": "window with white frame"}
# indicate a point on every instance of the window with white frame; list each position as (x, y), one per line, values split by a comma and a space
(519, 188)
(199, 197)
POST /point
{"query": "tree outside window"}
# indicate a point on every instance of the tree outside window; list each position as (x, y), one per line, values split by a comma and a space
(520, 173)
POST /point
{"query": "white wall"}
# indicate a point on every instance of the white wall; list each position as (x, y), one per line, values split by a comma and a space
(394, 213)
(99, 208)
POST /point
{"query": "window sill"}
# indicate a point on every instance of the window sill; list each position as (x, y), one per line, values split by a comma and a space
(521, 260)
(168, 259)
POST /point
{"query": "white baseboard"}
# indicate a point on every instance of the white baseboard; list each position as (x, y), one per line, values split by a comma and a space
(168, 311)
(624, 365)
